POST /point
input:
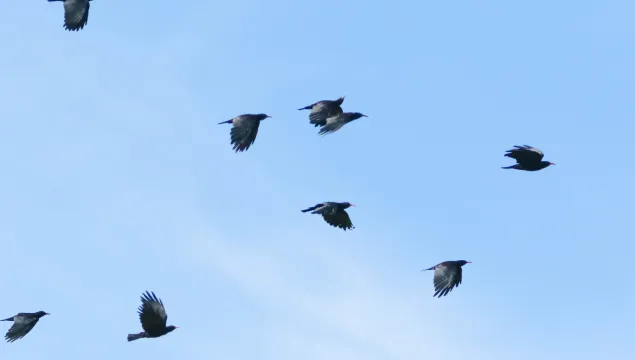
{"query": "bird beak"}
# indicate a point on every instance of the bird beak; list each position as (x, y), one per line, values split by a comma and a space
(47, 314)
(364, 115)
(552, 163)
(352, 204)
(268, 116)
(468, 262)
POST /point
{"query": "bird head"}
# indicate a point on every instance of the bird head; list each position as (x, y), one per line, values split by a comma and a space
(39, 314)
(463, 262)
(262, 116)
(170, 328)
(355, 116)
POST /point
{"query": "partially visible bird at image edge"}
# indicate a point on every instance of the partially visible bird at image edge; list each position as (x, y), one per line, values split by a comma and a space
(245, 129)
(22, 324)
(75, 14)
(334, 213)
(447, 276)
(527, 158)
(153, 318)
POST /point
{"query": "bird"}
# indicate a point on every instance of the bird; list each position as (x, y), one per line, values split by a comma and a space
(335, 122)
(447, 276)
(334, 213)
(245, 129)
(75, 14)
(322, 110)
(527, 158)
(153, 318)
(22, 324)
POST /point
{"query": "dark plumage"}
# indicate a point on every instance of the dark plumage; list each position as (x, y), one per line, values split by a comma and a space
(153, 318)
(75, 14)
(334, 123)
(22, 324)
(447, 276)
(245, 129)
(527, 158)
(334, 214)
(324, 109)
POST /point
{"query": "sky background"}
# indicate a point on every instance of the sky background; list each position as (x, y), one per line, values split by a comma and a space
(116, 179)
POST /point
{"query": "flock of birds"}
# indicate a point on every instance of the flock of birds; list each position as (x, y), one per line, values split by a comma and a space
(329, 117)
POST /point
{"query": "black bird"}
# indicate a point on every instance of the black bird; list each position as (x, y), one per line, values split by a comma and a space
(527, 158)
(75, 14)
(447, 276)
(334, 123)
(245, 129)
(153, 318)
(334, 213)
(22, 324)
(322, 110)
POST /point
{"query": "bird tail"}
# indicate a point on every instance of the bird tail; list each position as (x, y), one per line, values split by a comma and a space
(226, 122)
(133, 337)
(432, 268)
(308, 107)
(508, 167)
(11, 318)
(310, 209)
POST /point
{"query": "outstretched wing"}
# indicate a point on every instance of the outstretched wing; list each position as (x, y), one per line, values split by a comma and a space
(243, 134)
(525, 154)
(322, 111)
(21, 326)
(446, 278)
(75, 14)
(339, 219)
(152, 313)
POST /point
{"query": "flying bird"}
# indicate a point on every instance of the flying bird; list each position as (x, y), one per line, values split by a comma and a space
(322, 110)
(245, 129)
(334, 213)
(447, 276)
(22, 324)
(336, 122)
(75, 14)
(527, 158)
(153, 318)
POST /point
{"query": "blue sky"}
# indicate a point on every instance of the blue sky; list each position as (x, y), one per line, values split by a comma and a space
(117, 179)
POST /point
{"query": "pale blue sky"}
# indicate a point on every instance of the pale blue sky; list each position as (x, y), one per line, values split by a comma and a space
(116, 179)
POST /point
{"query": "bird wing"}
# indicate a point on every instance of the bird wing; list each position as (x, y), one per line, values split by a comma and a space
(21, 326)
(152, 313)
(243, 134)
(75, 14)
(525, 154)
(333, 124)
(447, 276)
(322, 111)
(339, 219)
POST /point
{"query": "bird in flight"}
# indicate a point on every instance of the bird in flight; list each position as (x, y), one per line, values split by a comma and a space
(22, 324)
(75, 14)
(527, 158)
(334, 213)
(322, 110)
(153, 318)
(245, 129)
(447, 276)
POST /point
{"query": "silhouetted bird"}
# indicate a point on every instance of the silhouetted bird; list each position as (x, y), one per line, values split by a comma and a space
(334, 214)
(324, 109)
(22, 324)
(153, 318)
(75, 14)
(334, 123)
(245, 129)
(447, 276)
(527, 158)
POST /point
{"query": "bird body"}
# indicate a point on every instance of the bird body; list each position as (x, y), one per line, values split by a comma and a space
(447, 276)
(75, 14)
(334, 213)
(243, 133)
(336, 122)
(23, 323)
(153, 318)
(527, 158)
(322, 110)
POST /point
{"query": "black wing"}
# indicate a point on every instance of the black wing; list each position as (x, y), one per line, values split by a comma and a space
(243, 134)
(322, 111)
(75, 14)
(446, 278)
(152, 313)
(333, 124)
(21, 326)
(525, 154)
(339, 219)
